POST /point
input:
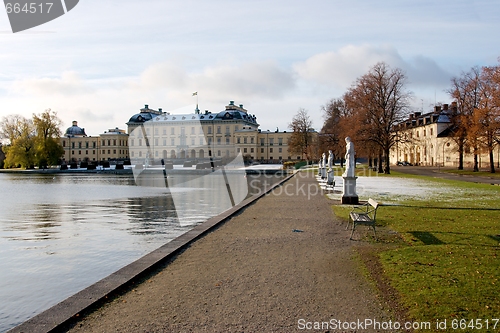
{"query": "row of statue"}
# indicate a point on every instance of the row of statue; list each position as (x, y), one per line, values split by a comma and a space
(326, 164)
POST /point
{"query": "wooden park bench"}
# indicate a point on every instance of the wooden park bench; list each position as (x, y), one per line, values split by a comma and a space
(364, 215)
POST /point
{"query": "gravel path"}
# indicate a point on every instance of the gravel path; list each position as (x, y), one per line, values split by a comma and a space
(283, 261)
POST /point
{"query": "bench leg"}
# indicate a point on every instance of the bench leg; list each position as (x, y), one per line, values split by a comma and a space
(353, 227)
(373, 226)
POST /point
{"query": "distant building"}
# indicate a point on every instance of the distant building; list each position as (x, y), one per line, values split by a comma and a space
(198, 135)
(78, 147)
(427, 140)
(201, 134)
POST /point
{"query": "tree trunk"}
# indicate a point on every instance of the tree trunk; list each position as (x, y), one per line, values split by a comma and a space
(476, 163)
(492, 162)
(460, 156)
(387, 169)
(380, 165)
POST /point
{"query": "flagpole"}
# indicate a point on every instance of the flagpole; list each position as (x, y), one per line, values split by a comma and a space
(196, 93)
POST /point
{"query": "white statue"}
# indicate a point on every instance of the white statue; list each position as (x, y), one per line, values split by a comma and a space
(330, 179)
(323, 166)
(349, 158)
(330, 159)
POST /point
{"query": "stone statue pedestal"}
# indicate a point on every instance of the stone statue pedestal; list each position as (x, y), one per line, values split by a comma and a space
(349, 195)
(329, 179)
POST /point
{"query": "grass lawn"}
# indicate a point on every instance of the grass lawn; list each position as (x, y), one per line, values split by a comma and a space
(444, 259)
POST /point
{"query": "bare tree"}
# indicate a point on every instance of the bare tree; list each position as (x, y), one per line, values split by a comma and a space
(333, 131)
(466, 92)
(379, 101)
(301, 140)
(487, 117)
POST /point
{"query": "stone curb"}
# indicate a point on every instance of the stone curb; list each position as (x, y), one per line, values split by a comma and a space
(61, 314)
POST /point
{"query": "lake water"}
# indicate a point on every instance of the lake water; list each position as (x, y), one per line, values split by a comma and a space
(61, 233)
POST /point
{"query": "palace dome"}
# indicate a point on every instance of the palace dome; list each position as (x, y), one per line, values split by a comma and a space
(75, 130)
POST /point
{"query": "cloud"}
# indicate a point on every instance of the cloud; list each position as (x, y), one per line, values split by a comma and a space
(69, 84)
(264, 79)
(341, 68)
(423, 71)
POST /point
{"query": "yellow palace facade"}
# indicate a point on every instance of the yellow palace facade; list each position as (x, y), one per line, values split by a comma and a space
(201, 135)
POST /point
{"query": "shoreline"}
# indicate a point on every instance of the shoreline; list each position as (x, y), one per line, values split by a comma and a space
(129, 171)
(65, 312)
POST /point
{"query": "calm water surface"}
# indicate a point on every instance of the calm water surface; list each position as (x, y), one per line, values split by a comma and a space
(61, 233)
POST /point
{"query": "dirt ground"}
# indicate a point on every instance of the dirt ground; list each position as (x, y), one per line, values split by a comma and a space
(284, 264)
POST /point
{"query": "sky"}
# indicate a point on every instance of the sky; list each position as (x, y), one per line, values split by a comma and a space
(100, 63)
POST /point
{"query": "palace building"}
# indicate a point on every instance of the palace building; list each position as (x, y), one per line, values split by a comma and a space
(201, 135)
(175, 137)
(427, 140)
(78, 147)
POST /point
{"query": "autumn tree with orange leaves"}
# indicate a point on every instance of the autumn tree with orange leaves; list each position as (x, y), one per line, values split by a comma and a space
(476, 121)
